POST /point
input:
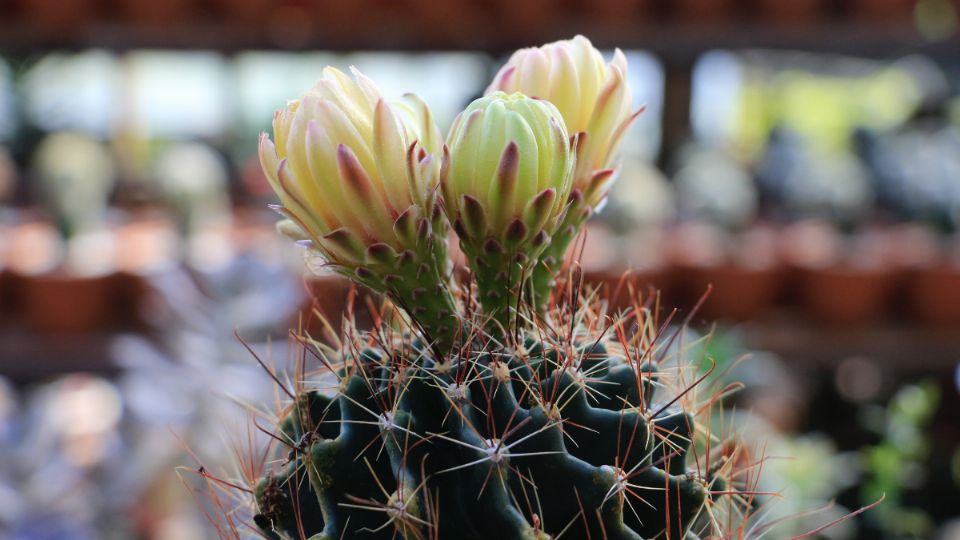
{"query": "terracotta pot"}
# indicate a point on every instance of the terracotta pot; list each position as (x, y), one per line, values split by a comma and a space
(744, 269)
(57, 302)
(9, 303)
(128, 301)
(704, 11)
(147, 244)
(327, 298)
(623, 290)
(31, 247)
(791, 13)
(61, 17)
(846, 296)
(899, 12)
(738, 293)
(802, 245)
(934, 295)
(25, 248)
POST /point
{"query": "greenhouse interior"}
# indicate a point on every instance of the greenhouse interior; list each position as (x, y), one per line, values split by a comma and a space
(559, 269)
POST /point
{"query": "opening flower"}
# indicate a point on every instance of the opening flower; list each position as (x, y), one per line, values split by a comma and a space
(592, 96)
(357, 178)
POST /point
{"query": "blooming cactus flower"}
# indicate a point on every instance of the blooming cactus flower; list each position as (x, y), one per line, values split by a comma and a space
(595, 101)
(347, 166)
(506, 176)
(357, 179)
(593, 98)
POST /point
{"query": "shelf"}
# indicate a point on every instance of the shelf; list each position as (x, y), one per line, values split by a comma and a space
(898, 347)
(673, 41)
(27, 358)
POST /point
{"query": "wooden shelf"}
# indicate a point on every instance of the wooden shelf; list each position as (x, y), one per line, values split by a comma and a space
(27, 358)
(674, 41)
(896, 346)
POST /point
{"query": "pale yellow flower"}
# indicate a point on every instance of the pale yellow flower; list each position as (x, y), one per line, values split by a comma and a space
(592, 96)
(350, 169)
(358, 179)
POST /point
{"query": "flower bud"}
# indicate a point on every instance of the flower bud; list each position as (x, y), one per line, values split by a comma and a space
(357, 179)
(508, 161)
(346, 166)
(595, 102)
(593, 98)
(506, 176)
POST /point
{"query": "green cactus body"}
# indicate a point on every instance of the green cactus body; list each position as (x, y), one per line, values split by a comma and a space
(488, 444)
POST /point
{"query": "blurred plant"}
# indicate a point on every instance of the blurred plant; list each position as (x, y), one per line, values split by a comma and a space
(827, 193)
(832, 187)
(65, 437)
(801, 477)
(193, 181)
(85, 458)
(895, 465)
(712, 186)
(820, 97)
(915, 169)
(74, 174)
(642, 198)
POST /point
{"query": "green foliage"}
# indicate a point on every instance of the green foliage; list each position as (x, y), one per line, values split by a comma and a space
(895, 464)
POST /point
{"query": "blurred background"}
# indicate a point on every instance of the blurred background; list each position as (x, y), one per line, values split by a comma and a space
(800, 156)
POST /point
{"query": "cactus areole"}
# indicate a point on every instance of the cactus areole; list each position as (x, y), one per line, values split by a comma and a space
(504, 405)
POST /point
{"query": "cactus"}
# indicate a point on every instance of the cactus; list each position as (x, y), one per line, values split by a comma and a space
(75, 175)
(565, 432)
(472, 410)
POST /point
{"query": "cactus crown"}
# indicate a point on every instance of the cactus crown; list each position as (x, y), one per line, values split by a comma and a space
(499, 406)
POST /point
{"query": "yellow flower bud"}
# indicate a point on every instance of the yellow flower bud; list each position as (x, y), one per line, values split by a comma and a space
(357, 178)
(506, 177)
(347, 165)
(593, 97)
(507, 171)
(595, 101)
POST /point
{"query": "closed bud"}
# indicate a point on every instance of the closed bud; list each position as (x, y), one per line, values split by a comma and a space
(508, 158)
(506, 176)
(595, 102)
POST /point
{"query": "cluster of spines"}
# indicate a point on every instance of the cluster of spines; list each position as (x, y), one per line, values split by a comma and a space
(545, 438)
